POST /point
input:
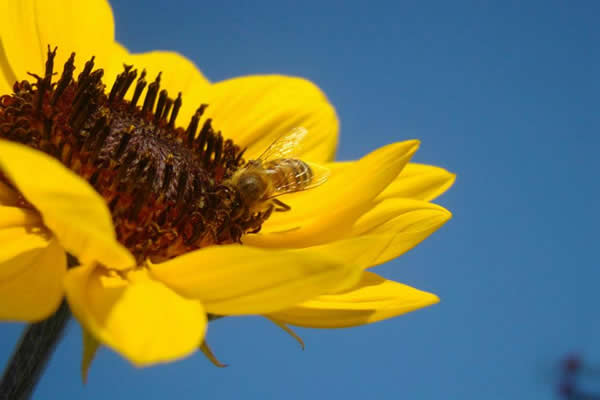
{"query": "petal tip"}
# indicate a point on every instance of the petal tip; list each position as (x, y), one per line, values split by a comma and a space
(451, 177)
(440, 214)
(447, 215)
(414, 142)
(411, 147)
(433, 299)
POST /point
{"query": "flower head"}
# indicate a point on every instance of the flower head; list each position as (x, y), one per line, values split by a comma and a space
(154, 211)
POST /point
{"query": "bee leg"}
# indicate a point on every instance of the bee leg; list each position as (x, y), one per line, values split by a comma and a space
(281, 206)
(236, 234)
(199, 229)
(267, 213)
(256, 230)
(261, 217)
(214, 234)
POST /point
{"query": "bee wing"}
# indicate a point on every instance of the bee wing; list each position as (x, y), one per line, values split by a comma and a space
(284, 146)
(318, 175)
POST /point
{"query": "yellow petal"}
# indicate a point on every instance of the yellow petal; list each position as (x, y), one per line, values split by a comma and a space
(400, 238)
(373, 299)
(90, 347)
(32, 268)
(31, 264)
(178, 74)
(255, 110)
(386, 241)
(407, 215)
(234, 279)
(419, 182)
(328, 212)
(140, 318)
(27, 27)
(375, 243)
(70, 207)
(5, 86)
(22, 51)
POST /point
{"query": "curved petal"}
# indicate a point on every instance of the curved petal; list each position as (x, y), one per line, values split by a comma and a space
(419, 182)
(328, 212)
(27, 27)
(404, 232)
(32, 268)
(70, 207)
(384, 243)
(234, 279)
(372, 299)
(256, 110)
(178, 74)
(396, 215)
(136, 316)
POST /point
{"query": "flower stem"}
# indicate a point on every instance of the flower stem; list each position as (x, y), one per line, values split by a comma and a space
(32, 353)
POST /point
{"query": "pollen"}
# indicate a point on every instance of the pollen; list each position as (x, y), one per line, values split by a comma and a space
(164, 184)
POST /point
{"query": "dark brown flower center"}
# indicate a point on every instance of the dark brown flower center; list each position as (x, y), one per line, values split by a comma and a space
(162, 183)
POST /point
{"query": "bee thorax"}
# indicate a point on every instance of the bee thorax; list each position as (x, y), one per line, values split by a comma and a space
(252, 187)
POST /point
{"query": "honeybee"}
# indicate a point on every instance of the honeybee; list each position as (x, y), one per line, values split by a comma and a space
(274, 173)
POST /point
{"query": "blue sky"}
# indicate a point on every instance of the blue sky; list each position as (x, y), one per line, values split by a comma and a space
(503, 93)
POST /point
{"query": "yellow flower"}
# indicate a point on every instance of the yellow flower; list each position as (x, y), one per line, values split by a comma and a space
(149, 299)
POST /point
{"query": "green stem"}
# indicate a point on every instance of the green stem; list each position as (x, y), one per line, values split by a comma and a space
(32, 354)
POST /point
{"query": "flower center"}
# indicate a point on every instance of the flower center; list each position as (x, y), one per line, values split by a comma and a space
(166, 186)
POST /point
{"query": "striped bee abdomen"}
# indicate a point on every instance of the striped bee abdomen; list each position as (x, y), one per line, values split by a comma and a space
(289, 175)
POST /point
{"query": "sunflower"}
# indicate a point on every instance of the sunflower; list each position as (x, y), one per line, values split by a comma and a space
(96, 168)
